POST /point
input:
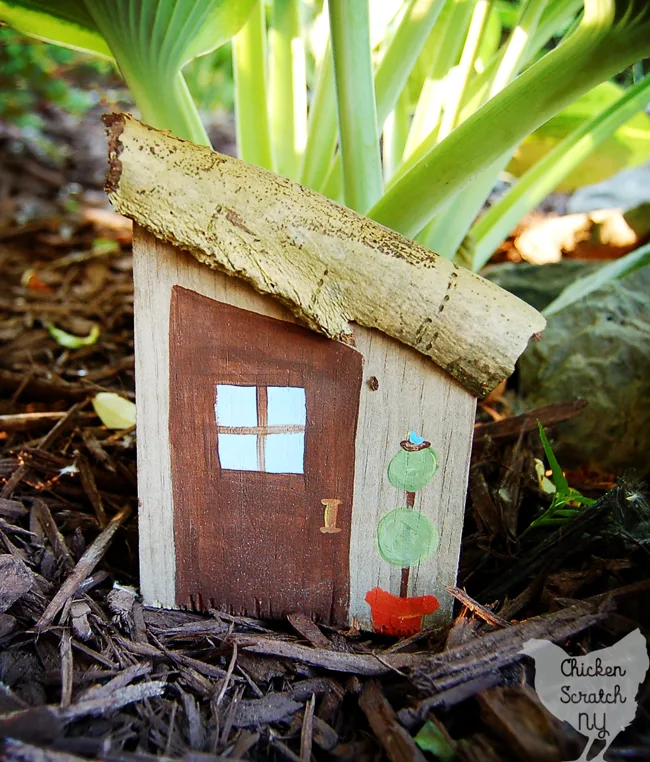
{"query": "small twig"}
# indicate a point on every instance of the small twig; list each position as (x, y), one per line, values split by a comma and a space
(244, 743)
(66, 668)
(310, 631)
(42, 513)
(486, 615)
(84, 567)
(90, 488)
(336, 661)
(43, 444)
(170, 732)
(397, 742)
(226, 680)
(26, 421)
(511, 428)
(387, 664)
(230, 716)
(118, 699)
(285, 750)
(118, 435)
(307, 732)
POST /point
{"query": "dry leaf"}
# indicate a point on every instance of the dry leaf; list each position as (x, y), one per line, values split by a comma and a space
(115, 411)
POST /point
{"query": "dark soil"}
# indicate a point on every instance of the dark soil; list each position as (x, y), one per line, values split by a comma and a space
(87, 672)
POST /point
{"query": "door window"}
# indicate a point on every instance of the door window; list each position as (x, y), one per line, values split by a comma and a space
(261, 428)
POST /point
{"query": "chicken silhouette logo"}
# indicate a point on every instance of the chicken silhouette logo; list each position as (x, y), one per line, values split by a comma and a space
(595, 693)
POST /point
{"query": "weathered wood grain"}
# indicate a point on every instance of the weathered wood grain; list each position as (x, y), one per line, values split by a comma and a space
(401, 390)
(329, 265)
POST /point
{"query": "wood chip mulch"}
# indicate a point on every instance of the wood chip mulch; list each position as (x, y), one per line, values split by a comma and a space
(88, 672)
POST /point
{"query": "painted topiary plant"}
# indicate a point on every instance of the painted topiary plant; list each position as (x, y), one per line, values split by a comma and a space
(404, 538)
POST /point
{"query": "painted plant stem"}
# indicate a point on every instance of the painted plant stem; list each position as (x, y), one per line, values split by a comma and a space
(406, 571)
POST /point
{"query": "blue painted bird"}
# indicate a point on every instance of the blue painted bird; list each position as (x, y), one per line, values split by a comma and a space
(415, 439)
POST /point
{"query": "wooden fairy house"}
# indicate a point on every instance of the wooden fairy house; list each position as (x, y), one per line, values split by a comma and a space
(306, 389)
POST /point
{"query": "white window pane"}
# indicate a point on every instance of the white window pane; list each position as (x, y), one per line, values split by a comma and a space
(238, 452)
(236, 405)
(286, 406)
(285, 453)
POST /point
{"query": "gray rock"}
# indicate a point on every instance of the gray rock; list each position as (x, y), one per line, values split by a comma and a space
(538, 285)
(623, 190)
(598, 349)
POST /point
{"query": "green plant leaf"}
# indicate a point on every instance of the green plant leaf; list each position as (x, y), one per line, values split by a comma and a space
(70, 341)
(150, 40)
(355, 100)
(490, 40)
(495, 224)
(322, 127)
(430, 738)
(220, 21)
(287, 105)
(614, 270)
(612, 34)
(559, 479)
(629, 146)
(249, 68)
(62, 22)
(114, 411)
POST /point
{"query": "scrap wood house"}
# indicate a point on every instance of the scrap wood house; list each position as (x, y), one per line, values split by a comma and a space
(306, 390)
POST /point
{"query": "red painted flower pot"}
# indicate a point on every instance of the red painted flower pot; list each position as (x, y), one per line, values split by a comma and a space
(399, 616)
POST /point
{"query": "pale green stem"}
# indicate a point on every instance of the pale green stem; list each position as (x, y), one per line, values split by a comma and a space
(249, 64)
(402, 53)
(535, 184)
(490, 42)
(395, 134)
(460, 75)
(176, 111)
(288, 102)
(156, 84)
(589, 56)
(394, 69)
(333, 184)
(445, 233)
(456, 83)
(322, 127)
(519, 39)
(449, 38)
(355, 97)
(556, 14)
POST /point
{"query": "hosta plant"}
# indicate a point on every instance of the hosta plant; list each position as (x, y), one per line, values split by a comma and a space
(407, 111)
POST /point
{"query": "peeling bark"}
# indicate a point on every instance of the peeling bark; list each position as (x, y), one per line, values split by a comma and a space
(329, 265)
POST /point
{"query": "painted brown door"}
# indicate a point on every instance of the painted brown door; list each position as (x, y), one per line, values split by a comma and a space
(262, 419)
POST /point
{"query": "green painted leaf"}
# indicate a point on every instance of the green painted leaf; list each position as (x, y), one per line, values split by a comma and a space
(114, 411)
(70, 341)
(411, 471)
(405, 537)
(627, 147)
(430, 738)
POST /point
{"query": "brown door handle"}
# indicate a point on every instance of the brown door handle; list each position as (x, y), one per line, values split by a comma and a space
(331, 515)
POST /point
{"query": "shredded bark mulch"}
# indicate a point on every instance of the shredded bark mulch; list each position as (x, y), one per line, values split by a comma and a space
(88, 672)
